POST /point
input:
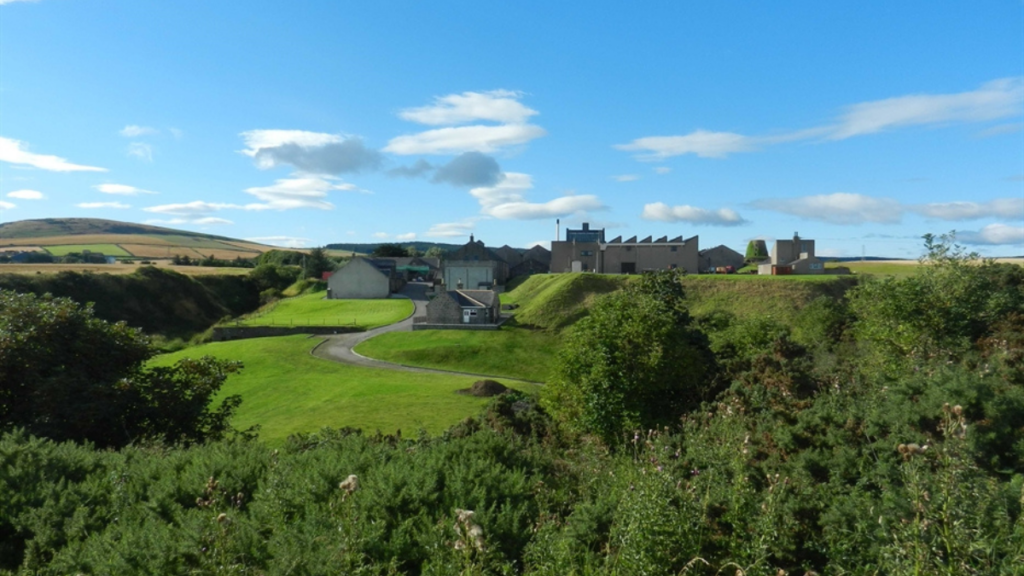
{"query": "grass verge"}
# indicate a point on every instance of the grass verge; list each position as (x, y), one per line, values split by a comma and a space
(509, 352)
(105, 249)
(286, 390)
(315, 310)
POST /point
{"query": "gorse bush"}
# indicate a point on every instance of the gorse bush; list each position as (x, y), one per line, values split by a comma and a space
(831, 444)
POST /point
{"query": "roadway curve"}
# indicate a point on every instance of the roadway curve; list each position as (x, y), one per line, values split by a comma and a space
(339, 348)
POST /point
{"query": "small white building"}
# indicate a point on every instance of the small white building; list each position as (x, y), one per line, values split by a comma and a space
(359, 278)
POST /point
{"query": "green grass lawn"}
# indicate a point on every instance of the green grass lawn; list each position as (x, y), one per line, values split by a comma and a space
(286, 390)
(509, 352)
(314, 310)
(105, 249)
(879, 268)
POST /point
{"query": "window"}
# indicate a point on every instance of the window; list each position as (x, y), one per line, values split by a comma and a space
(629, 248)
(674, 249)
(586, 253)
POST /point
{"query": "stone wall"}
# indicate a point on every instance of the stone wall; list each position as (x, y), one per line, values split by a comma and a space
(223, 333)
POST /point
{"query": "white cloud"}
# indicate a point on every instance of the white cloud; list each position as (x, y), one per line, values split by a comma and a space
(662, 170)
(703, 143)
(1011, 128)
(26, 194)
(451, 229)
(121, 189)
(141, 150)
(134, 131)
(407, 236)
(14, 152)
(992, 101)
(994, 234)
(311, 152)
(506, 201)
(837, 208)
(283, 241)
(381, 235)
(6, 205)
(203, 221)
(662, 212)
(626, 178)
(996, 99)
(91, 205)
(496, 105)
(298, 192)
(2, 2)
(563, 206)
(190, 210)
(477, 138)
(999, 208)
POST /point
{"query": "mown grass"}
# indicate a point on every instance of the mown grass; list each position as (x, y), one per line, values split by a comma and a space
(105, 249)
(286, 390)
(880, 268)
(509, 352)
(315, 310)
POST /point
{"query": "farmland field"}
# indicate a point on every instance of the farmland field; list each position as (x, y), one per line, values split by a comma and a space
(105, 249)
(315, 310)
(286, 390)
(118, 268)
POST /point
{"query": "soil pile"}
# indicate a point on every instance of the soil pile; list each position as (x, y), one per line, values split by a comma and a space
(484, 389)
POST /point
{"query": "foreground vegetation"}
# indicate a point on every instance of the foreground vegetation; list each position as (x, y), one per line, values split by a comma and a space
(285, 390)
(876, 432)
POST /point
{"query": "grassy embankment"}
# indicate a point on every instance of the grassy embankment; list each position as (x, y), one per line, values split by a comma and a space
(528, 346)
(315, 310)
(105, 249)
(286, 390)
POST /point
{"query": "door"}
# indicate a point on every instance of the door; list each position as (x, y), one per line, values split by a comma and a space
(628, 268)
(465, 316)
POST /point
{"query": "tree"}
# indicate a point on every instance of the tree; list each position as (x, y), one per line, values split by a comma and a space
(67, 375)
(937, 314)
(412, 251)
(435, 252)
(636, 361)
(389, 251)
(317, 263)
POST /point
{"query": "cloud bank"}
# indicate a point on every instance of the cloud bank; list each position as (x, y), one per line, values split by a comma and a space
(16, 152)
(661, 212)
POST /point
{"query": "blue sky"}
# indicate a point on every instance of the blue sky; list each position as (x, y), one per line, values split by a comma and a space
(861, 124)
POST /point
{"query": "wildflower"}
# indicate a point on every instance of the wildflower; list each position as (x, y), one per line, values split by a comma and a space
(222, 518)
(350, 484)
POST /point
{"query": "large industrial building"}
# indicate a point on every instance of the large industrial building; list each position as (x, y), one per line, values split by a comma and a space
(586, 250)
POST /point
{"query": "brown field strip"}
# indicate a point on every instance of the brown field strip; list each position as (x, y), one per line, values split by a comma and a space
(223, 254)
(115, 269)
(253, 247)
(21, 249)
(154, 251)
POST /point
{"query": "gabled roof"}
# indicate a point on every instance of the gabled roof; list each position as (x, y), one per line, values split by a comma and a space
(484, 298)
(363, 263)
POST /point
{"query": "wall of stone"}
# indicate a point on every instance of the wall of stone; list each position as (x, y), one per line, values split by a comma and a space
(221, 334)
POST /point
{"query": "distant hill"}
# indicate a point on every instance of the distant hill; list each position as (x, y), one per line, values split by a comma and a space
(60, 236)
(368, 248)
(78, 226)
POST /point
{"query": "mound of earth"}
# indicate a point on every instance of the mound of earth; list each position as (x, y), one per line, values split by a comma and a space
(484, 389)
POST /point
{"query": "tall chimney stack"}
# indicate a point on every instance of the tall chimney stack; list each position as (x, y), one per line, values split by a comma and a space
(558, 228)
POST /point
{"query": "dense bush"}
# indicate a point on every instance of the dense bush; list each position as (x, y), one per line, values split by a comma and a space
(808, 460)
(67, 375)
(157, 301)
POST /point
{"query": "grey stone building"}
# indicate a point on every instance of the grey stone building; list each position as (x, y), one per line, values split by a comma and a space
(585, 250)
(360, 278)
(474, 266)
(456, 307)
(794, 256)
(719, 256)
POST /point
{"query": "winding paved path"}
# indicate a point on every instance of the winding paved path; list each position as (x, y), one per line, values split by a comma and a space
(339, 347)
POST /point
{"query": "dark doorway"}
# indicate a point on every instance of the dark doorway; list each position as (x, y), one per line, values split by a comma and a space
(628, 268)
